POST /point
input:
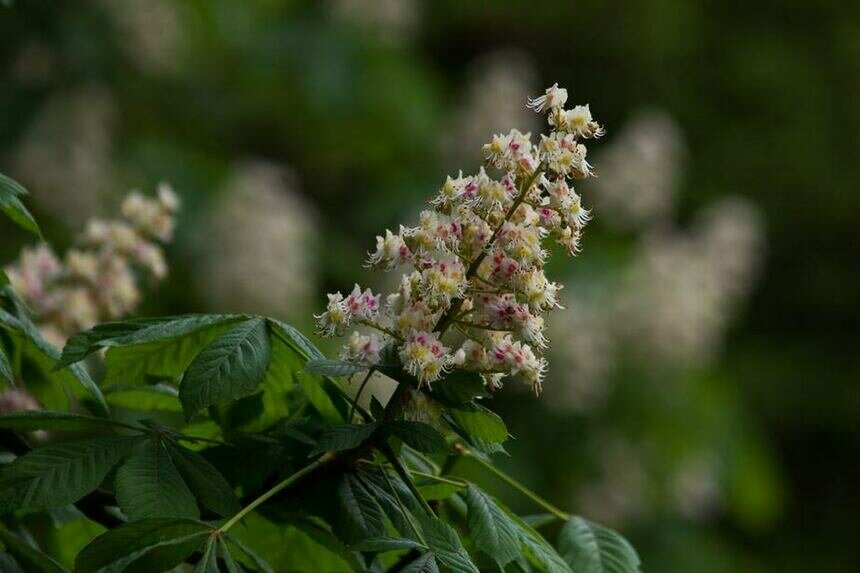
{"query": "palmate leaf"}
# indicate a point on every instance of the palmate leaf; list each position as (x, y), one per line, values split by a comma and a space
(230, 367)
(343, 438)
(295, 338)
(420, 436)
(259, 563)
(334, 367)
(29, 420)
(230, 563)
(537, 550)
(148, 485)
(209, 561)
(490, 527)
(591, 548)
(29, 559)
(208, 485)
(10, 203)
(383, 544)
(147, 545)
(4, 279)
(445, 545)
(60, 474)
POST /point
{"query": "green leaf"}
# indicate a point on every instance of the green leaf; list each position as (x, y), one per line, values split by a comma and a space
(292, 336)
(5, 367)
(445, 545)
(61, 474)
(362, 517)
(591, 548)
(480, 423)
(383, 544)
(227, 557)
(420, 436)
(209, 562)
(42, 355)
(158, 397)
(458, 389)
(343, 437)
(158, 360)
(11, 205)
(207, 483)
(4, 279)
(490, 527)
(334, 367)
(230, 367)
(537, 550)
(424, 564)
(29, 420)
(161, 543)
(137, 331)
(30, 559)
(148, 485)
(258, 561)
(314, 389)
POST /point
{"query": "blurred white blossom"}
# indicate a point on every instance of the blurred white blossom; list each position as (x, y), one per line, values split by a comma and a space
(640, 172)
(64, 156)
(260, 237)
(499, 84)
(150, 32)
(390, 20)
(101, 277)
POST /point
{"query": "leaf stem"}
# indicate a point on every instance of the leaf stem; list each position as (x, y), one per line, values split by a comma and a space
(324, 459)
(354, 401)
(440, 479)
(389, 454)
(518, 486)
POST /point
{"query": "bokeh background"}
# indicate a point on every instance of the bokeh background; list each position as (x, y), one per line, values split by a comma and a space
(704, 391)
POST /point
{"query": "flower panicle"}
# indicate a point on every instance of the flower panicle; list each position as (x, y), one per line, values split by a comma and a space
(474, 292)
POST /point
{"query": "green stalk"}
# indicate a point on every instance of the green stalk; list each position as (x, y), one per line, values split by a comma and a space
(389, 454)
(519, 487)
(326, 458)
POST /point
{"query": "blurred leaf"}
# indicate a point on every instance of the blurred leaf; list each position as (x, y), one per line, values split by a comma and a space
(490, 527)
(591, 548)
(31, 560)
(230, 367)
(120, 547)
(206, 482)
(5, 367)
(458, 389)
(29, 420)
(60, 474)
(344, 437)
(157, 397)
(10, 203)
(4, 279)
(334, 367)
(420, 436)
(148, 485)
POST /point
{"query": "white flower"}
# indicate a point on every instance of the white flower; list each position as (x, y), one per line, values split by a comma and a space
(554, 98)
(425, 357)
(477, 261)
(363, 349)
(391, 251)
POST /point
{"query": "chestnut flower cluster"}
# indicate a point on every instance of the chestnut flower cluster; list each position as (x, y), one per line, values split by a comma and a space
(99, 279)
(474, 292)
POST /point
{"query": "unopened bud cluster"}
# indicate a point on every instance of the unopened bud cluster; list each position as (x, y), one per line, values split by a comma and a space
(474, 292)
(100, 277)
